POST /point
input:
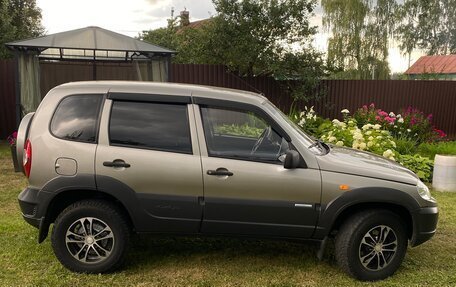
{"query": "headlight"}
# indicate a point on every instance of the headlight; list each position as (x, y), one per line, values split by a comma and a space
(423, 191)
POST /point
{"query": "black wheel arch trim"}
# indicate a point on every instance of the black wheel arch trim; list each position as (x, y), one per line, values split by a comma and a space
(86, 182)
(367, 195)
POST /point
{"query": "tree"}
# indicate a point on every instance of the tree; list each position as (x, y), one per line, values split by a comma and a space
(361, 29)
(252, 38)
(19, 19)
(428, 25)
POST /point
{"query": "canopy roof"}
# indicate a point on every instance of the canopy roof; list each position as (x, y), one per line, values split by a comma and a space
(89, 43)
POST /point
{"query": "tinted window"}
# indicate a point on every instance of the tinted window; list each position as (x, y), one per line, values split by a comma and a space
(241, 135)
(76, 118)
(150, 125)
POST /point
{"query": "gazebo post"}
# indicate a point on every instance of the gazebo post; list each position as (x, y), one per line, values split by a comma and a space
(94, 67)
(18, 90)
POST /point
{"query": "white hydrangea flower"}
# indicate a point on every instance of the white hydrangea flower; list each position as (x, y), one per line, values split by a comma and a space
(379, 137)
(392, 115)
(400, 120)
(371, 138)
(362, 146)
(409, 130)
(368, 133)
(377, 127)
(336, 122)
(345, 111)
(340, 143)
(332, 139)
(355, 145)
(369, 144)
(366, 127)
(388, 153)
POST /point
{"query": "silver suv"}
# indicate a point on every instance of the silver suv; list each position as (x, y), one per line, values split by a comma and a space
(105, 159)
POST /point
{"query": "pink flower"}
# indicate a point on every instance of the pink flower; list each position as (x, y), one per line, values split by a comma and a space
(383, 113)
(390, 120)
(378, 118)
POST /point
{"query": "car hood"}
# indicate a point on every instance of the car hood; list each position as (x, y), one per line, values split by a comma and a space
(360, 163)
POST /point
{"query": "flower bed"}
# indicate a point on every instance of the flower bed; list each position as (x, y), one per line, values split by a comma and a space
(397, 136)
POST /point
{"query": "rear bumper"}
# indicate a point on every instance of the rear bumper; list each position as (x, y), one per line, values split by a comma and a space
(33, 204)
(425, 224)
(28, 202)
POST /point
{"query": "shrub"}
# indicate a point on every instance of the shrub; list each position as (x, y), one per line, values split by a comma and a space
(310, 122)
(239, 130)
(421, 166)
(368, 138)
(410, 123)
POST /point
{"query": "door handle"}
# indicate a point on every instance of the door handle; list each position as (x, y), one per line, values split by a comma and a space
(116, 163)
(221, 171)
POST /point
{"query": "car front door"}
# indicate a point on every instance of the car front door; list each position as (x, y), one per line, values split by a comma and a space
(247, 190)
(148, 154)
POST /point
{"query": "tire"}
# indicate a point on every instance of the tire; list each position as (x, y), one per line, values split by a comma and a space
(359, 246)
(97, 246)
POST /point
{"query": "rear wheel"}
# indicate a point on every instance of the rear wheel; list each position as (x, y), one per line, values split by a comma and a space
(90, 236)
(371, 245)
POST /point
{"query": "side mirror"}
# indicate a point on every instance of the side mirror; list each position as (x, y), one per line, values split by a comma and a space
(292, 159)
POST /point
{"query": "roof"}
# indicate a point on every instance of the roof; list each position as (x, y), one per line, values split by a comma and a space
(174, 89)
(437, 64)
(89, 39)
(195, 25)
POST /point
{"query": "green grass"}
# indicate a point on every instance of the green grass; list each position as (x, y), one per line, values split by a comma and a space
(169, 261)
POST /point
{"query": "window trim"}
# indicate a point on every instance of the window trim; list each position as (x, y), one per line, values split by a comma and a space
(98, 117)
(241, 107)
(149, 98)
(145, 147)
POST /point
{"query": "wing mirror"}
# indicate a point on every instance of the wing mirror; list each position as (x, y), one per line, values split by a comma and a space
(292, 159)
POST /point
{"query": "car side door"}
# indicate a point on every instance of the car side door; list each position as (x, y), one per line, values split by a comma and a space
(148, 153)
(247, 191)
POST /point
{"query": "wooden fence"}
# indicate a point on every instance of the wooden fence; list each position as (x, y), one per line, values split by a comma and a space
(436, 97)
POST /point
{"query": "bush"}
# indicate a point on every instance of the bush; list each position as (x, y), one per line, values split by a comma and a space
(409, 124)
(310, 122)
(421, 166)
(239, 130)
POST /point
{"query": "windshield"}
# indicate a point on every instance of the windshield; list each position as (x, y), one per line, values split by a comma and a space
(290, 122)
(316, 148)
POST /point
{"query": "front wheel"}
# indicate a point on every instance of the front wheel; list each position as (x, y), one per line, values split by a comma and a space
(90, 236)
(371, 245)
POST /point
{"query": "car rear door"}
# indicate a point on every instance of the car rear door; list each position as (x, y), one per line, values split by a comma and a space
(247, 191)
(148, 148)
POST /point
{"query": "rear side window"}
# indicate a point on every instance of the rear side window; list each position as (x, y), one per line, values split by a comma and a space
(76, 118)
(150, 125)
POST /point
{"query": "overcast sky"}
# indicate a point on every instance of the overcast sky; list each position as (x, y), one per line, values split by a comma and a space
(133, 16)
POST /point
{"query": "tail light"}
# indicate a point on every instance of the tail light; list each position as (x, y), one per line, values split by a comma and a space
(27, 159)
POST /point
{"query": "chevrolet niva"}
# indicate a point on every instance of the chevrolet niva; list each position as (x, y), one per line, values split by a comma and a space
(106, 159)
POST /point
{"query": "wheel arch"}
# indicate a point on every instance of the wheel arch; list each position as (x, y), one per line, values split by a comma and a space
(357, 200)
(65, 198)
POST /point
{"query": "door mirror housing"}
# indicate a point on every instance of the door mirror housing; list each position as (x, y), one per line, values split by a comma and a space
(292, 159)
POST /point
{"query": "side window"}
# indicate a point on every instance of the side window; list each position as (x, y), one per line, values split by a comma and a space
(76, 118)
(241, 134)
(150, 125)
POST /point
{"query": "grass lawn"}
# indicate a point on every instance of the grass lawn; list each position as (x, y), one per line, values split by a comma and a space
(170, 261)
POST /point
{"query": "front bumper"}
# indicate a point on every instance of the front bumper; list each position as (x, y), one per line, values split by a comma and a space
(424, 224)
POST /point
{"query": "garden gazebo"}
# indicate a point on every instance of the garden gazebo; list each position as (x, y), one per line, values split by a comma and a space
(92, 46)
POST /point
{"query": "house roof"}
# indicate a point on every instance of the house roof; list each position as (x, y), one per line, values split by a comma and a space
(437, 64)
(89, 39)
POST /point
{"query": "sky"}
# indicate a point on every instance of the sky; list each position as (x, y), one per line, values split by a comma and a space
(133, 16)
